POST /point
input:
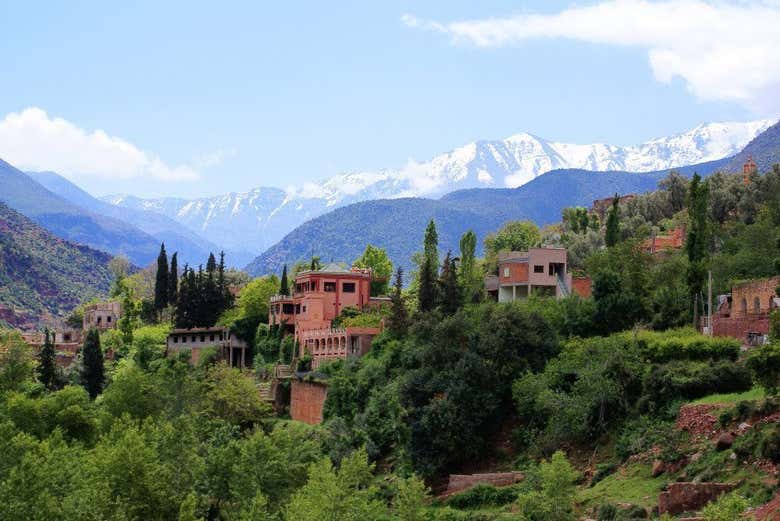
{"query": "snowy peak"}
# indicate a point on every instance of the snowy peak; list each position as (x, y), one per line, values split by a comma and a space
(254, 220)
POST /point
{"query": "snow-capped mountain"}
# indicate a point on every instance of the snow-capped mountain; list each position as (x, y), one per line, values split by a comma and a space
(254, 220)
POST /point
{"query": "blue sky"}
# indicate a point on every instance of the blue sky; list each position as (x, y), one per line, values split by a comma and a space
(225, 96)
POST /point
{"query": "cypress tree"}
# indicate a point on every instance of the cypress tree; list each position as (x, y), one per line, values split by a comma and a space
(47, 364)
(161, 280)
(398, 321)
(470, 282)
(431, 244)
(449, 292)
(426, 287)
(612, 233)
(226, 297)
(173, 280)
(182, 303)
(92, 373)
(697, 241)
(284, 288)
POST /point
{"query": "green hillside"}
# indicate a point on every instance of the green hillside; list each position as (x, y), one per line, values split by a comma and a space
(42, 275)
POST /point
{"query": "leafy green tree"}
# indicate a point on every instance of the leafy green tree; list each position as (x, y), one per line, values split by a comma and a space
(381, 268)
(161, 280)
(284, 287)
(513, 236)
(315, 263)
(697, 241)
(255, 296)
(398, 321)
(728, 507)
(188, 508)
(346, 494)
(612, 233)
(554, 501)
(469, 277)
(232, 397)
(47, 362)
(409, 500)
(92, 373)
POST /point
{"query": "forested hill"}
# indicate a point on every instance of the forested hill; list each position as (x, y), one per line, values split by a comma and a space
(396, 224)
(71, 222)
(42, 275)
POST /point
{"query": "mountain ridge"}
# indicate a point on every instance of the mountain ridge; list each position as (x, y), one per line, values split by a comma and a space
(265, 215)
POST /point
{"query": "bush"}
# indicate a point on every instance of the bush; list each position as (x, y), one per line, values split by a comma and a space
(690, 380)
(727, 508)
(764, 364)
(602, 471)
(644, 433)
(684, 344)
(483, 495)
(760, 442)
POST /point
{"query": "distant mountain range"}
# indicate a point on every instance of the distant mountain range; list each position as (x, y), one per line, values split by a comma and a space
(72, 214)
(255, 220)
(398, 224)
(43, 276)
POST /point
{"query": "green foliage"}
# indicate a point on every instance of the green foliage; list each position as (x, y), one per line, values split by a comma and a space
(161, 285)
(450, 295)
(232, 396)
(254, 298)
(344, 494)
(764, 364)
(513, 236)
(47, 362)
(398, 320)
(381, 268)
(409, 499)
(483, 495)
(697, 241)
(644, 433)
(554, 498)
(683, 344)
(727, 508)
(469, 276)
(284, 285)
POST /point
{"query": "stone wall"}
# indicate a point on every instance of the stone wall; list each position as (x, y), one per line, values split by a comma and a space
(460, 482)
(307, 400)
(582, 286)
(689, 497)
(746, 295)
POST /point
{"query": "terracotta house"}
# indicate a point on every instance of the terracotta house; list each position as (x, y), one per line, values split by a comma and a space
(744, 313)
(663, 243)
(103, 315)
(538, 271)
(319, 296)
(231, 349)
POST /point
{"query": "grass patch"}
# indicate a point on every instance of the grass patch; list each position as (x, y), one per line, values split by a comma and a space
(756, 393)
(634, 484)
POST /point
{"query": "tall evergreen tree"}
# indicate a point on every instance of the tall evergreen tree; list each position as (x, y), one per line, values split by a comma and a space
(222, 285)
(315, 263)
(431, 244)
(173, 280)
(697, 241)
(284, 288)
(92, 372)
(47, 363)
(398, 321)
(183, 301)
(426, 286)
(161, 280)
(449, 293)
(612, 233)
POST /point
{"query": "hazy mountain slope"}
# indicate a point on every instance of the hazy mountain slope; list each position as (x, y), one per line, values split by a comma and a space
(66, 220)
(764, 149)
(191, 247)
(398, 224)
(265, 215)
(43, 276)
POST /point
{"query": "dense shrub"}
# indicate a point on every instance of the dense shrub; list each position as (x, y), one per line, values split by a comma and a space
(644, 433)
(483, 495)
(684, 344)
(762, 441)
(690, 380)
(764, 364)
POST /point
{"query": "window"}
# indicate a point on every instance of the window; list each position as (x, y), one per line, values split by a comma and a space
(348, 287)
(66, 337)
(202, 338)
(744, 306)
(297, 308)
(193, 338)
(304, 309)
(175, 339)
(99, 320)
(538, 268)
(330, 286)
(108, 319)
(211, 338)
(506, 271)
(756, 305)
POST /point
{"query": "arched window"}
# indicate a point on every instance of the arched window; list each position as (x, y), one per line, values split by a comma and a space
(756, 305)
(744, 306)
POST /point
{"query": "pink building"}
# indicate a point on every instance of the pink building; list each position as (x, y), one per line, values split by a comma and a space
(538, 271)
(318, 298)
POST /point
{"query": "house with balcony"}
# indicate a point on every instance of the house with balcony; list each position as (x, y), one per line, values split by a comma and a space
(230, 348)
(319, 296)
(538, 271)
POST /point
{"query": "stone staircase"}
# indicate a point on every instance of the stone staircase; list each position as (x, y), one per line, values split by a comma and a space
(264, 390)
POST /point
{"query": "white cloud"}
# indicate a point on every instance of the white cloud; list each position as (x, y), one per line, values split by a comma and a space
(32, 140)
(724, 50)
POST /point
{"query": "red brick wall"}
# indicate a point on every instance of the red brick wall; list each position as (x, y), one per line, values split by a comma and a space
(689, 497)
(582, 286)
(739, 327)
(306, 401)
(518, 272)
(764, 289)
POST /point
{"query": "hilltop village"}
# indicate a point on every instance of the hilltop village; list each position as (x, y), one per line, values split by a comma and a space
(623, 363)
